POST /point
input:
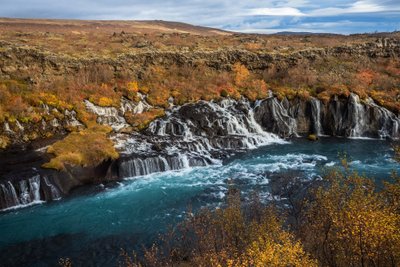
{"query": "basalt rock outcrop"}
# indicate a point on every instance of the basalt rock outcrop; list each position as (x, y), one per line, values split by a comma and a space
(346, 117)
(195, 134)
(202, 133)
(26, 183)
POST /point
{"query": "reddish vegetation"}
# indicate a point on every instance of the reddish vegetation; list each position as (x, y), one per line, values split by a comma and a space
(91, 60)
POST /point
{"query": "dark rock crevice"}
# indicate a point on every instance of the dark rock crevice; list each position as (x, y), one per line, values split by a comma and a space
(197, 134)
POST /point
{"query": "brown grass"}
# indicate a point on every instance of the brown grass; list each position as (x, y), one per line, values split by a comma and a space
(87, 147)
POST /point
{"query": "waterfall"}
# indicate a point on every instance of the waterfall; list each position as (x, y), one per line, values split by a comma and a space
(195, 134)
(388, 121)
(357, 117)
(8, 196)
(107, 115)
(114, 117)
(204, 133)
(52, 193)
(276, 118)
(35, 189)
(144, 166)
(367, 119)
(316, 116)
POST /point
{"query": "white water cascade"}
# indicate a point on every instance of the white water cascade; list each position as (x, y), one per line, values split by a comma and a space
(316, 116)
(368, 119)
(194, 135)
(35, 189)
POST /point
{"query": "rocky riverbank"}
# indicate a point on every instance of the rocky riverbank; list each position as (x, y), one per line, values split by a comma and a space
(195, 134)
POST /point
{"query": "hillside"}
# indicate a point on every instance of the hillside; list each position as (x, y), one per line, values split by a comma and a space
(48, 68)
(104, 26)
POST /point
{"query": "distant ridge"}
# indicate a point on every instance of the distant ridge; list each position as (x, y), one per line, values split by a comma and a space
(132, 26)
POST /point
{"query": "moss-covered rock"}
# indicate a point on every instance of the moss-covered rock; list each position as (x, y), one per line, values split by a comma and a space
(88, 147)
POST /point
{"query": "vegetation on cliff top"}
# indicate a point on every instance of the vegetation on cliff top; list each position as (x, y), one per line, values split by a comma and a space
(79, 61)
(87, 147)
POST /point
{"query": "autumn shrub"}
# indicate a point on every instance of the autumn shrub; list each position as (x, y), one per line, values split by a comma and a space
(103, 95)
(341, 220)
(230, 236)
(240, 73)
(387, 98)
(349, 223)
(129, 89)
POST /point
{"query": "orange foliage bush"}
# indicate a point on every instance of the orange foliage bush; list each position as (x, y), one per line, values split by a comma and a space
(240, 74)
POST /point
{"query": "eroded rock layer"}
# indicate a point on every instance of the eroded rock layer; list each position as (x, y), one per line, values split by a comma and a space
(199, 134)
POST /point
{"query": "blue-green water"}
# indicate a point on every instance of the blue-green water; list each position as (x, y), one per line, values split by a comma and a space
(92, 225)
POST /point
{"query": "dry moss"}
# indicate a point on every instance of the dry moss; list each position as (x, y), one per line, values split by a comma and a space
(87, 147)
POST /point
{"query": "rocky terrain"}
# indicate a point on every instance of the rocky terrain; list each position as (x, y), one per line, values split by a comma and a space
(197, 134)
(175, 96)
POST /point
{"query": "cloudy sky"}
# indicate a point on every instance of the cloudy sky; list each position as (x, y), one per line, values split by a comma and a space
(264, 16)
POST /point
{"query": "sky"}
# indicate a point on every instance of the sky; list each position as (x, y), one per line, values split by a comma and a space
(253, 16)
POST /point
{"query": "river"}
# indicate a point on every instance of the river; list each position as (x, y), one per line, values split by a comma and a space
(94, 223)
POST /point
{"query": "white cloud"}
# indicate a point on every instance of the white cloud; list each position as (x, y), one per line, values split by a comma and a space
(363, 6)
(246, 15)
(277, 11)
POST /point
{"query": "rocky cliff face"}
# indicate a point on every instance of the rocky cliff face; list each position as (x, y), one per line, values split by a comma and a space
(200, 134)
(347, 117)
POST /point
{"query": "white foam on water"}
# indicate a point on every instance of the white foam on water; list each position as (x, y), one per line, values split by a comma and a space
(36, 202)
(363, 138)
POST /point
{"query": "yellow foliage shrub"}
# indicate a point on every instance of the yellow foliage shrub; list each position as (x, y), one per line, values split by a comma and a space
(105, 102)
(87, 147)
(241, 74)
(349, 223)
(133, 86)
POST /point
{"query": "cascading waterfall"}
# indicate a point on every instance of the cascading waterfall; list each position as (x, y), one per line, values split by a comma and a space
(29, 190)
(194, 135)
(389, 123)
(8, 196)
(347, 117)
(35, 189)
(51, 191)
(107, 115)
(357, 116)
(115, 117)
(275, 117)
(367, 119)
(316, 115)
(204, 133)
(144, 166)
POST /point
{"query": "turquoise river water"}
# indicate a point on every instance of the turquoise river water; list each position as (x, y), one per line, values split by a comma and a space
(93, 224)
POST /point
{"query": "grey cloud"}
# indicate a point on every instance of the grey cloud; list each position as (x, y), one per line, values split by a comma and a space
(249, 15)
